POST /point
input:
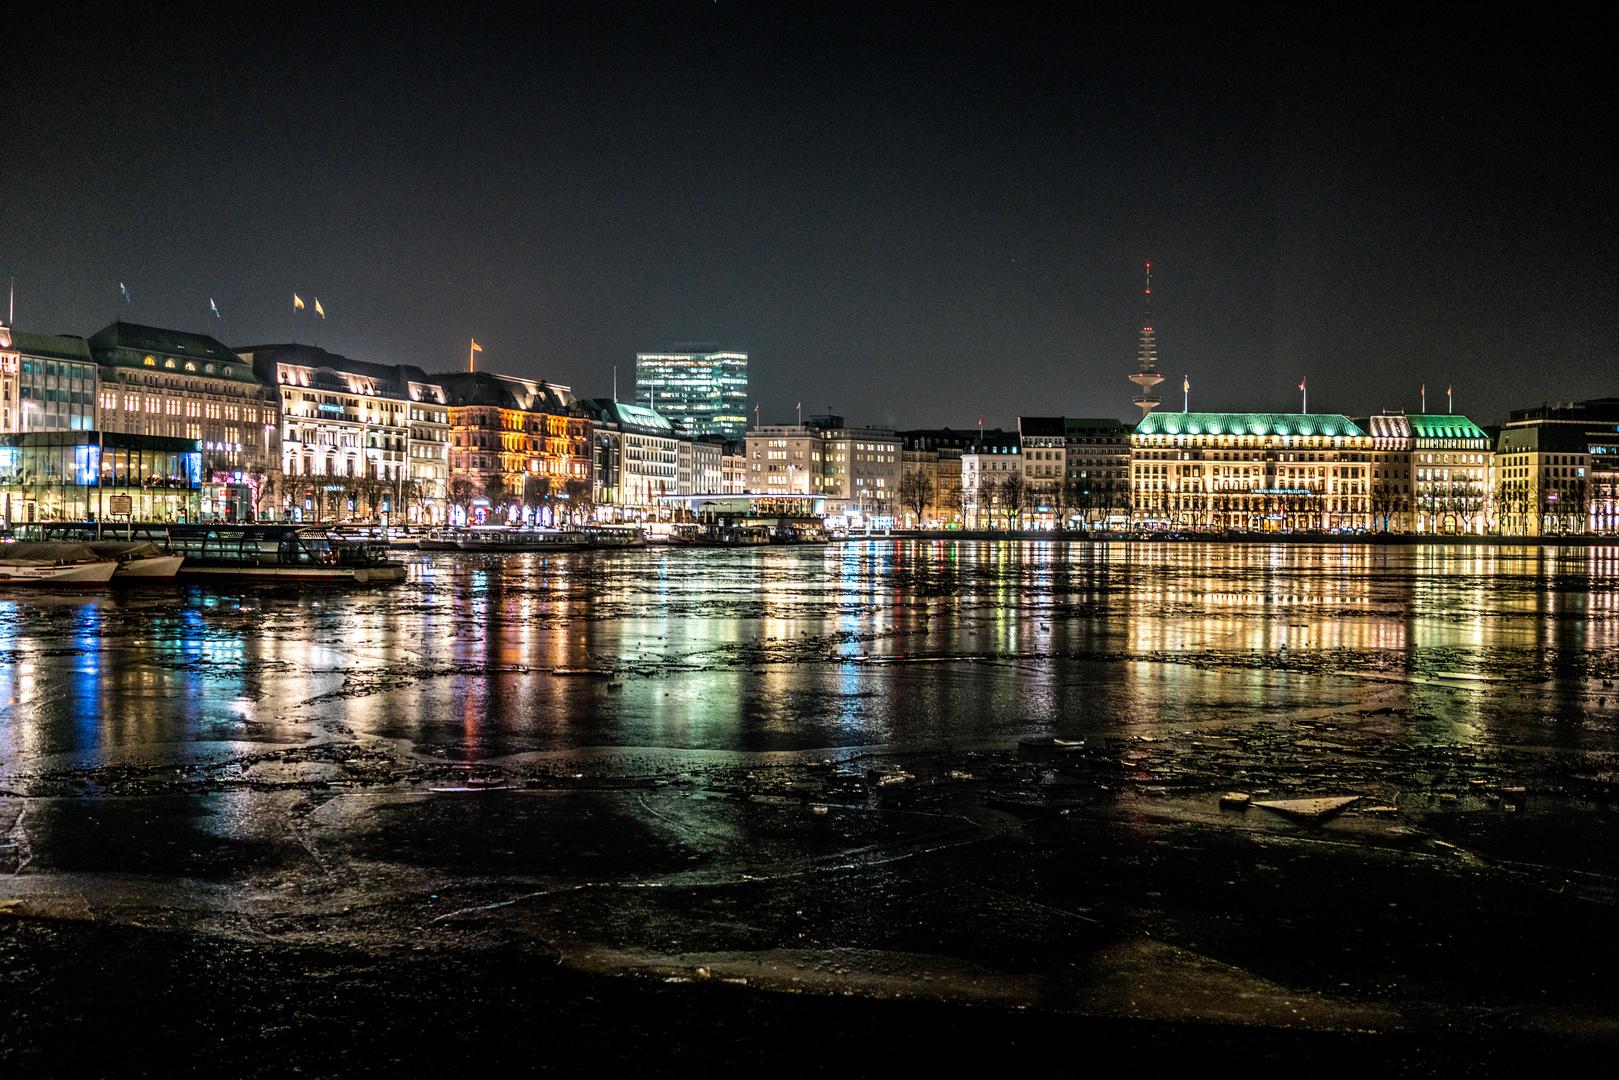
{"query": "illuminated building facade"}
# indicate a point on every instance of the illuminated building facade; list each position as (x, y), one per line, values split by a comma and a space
(784, 459)
(1043, 445)
(992, 486)
(520, 450)
(1431, 473)
(345, 435)
(175, 385)
(98, 476)
(48, 382)
(706, 393)
(1250, 471)
(734, 468)
(635, 460)
(857, 469)
(1097, 457)
(1556, 469)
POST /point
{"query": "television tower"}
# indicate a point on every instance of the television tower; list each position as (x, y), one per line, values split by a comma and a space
(1146, 376)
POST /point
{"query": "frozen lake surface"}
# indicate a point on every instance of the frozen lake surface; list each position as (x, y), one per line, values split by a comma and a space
(973, 773)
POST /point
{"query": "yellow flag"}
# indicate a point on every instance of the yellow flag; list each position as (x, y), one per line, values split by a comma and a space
(297, 304)
(318, 309)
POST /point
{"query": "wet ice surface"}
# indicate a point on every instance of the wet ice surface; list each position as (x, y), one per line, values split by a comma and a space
(975, 772)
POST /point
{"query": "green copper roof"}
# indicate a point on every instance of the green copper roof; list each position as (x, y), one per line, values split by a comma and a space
(1431, 426)
(639, 414)
(1219, 423)
(51, 346)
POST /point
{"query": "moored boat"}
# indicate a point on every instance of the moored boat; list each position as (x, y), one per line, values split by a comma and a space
(609, 537)
(438, 540)
(37, 562)
(733, 536)
(520, 540)
(139, 561)
(289, 552)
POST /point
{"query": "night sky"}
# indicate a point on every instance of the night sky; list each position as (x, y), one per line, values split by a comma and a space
(914, 218)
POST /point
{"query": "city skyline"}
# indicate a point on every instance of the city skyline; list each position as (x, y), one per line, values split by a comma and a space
(1326, 200)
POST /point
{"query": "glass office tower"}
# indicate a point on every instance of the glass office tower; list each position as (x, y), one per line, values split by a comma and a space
(704, 392)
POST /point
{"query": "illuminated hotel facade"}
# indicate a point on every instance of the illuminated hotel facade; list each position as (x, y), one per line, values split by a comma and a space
(1431, 473)
(1250, 471)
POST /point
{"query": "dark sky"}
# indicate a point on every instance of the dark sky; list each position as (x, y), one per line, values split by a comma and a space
(913, 217)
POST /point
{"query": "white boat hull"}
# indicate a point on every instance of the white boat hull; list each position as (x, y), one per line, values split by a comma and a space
(88, 573)
(155, 568)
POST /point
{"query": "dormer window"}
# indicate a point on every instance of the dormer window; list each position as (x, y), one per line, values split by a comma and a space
(208, 369)
(191, 365)
(169, 364)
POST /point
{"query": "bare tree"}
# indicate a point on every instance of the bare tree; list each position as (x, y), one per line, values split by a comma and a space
(536, 492)
(1014, 496)
(1576, 505)
(496, 491)
(264, 488)
(461, 492)
(579, 502)
(1072, 494)
(915, 492)
(1501, 500)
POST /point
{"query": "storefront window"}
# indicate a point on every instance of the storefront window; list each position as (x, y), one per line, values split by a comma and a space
(68, 476)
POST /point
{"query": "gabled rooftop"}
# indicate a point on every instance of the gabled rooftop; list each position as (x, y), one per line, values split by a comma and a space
(264, 358)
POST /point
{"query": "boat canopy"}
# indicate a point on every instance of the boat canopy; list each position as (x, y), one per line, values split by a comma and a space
(47, 553)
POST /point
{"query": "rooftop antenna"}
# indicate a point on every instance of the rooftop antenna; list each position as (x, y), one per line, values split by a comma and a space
(615, 384)
(1146, 376)
(11, 305)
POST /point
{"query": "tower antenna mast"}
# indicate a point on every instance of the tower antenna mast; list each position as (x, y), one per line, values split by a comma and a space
(1147, 376)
